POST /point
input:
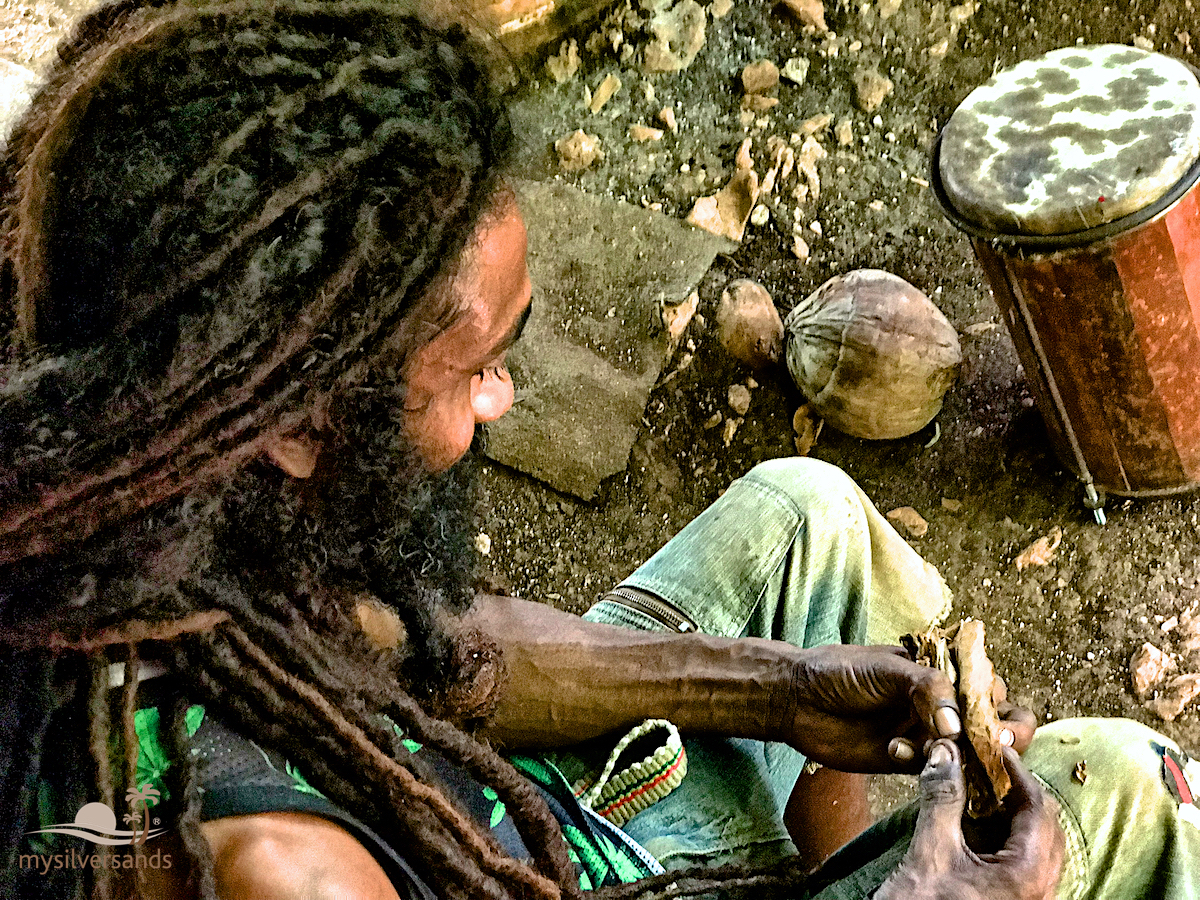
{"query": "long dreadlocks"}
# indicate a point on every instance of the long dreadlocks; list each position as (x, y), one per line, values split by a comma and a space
(219, 219)
(221, 225)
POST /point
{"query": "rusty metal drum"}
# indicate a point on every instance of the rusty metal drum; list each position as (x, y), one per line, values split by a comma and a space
(1075, 175)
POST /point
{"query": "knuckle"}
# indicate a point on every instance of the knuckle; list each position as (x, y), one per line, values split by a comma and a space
(938, 790)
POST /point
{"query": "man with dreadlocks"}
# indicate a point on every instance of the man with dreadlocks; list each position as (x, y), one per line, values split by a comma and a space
(260, 273)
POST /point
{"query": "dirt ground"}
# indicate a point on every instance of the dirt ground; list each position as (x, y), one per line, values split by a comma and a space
(1063, 633)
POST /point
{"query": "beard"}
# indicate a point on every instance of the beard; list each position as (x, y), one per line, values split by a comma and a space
(372, 522)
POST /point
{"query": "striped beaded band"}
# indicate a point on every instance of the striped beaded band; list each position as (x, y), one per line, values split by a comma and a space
(620, 795)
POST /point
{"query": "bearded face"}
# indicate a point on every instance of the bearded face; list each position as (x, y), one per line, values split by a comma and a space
(372, 522)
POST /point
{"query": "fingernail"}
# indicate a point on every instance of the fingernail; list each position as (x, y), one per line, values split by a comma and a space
(947, 722)
(1007, 738)
(902, 750)
(939, 755)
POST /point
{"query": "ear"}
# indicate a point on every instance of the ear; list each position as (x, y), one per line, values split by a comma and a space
(295, 455)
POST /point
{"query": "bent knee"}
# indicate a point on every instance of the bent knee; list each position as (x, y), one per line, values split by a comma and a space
(286, 855)
(1121, 759)
(806, 481)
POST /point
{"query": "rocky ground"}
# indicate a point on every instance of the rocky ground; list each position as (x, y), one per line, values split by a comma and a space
(860, 105)
(1062, 633)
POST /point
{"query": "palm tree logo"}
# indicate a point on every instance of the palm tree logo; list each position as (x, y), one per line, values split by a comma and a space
(140, 800)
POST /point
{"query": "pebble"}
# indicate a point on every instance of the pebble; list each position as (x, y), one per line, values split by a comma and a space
(760, 216)
(666, 115)
(871, 89)
(912, 521)
(795, 70)
(812, 126)
(756, 103)
(739, 398)
(643, 133)
(844, 132)
(604, 92)
(1176, 696)
(563, 66)
(678, 36)
(806, 429)
(726, 212)
(760, 76)
(577, 150)
(810, 13)
(1040, 552)
(731, 427)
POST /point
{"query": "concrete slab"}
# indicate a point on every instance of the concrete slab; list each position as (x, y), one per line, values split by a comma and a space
(595, 344)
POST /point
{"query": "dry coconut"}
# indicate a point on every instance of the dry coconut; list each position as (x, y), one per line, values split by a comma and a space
(748, 325)
(872, 354)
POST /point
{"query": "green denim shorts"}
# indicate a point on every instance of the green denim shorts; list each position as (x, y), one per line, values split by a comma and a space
(795, 551)
(792, 551)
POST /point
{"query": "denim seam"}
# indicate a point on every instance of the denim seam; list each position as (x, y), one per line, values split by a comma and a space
(692, 604)
(784, 498)
(1077, 844)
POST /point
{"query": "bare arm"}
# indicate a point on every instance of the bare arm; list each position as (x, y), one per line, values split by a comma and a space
(570, 680)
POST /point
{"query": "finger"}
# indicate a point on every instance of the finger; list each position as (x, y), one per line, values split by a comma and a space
(1020, 722)
(903, 753)
(1036, 843)
(938, 837)
(936, 702)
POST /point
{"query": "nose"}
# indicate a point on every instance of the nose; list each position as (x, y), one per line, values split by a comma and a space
(491, 394)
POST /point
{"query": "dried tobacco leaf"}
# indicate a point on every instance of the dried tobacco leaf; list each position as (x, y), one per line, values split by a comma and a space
(959, 652)
(987, 779)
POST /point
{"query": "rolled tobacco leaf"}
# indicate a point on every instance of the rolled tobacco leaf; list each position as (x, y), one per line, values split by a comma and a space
(959, 652)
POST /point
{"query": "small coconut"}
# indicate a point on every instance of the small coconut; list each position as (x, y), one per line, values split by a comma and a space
(748, 325)
(872, 354)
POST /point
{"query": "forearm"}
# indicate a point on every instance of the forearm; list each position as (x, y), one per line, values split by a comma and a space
(570, 680)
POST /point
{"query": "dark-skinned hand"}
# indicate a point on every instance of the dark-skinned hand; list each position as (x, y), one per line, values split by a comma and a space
(872, 709)
(940, 866)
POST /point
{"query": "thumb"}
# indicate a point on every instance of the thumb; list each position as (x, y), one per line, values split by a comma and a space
(938, 837)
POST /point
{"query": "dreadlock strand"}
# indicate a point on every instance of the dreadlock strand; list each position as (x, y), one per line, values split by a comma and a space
(133, 631)
(783, 879)
(464, 830)
(129, 695)
(531, 815)
(29, 251)
(100, 727)
(183, 782)
(420, 822)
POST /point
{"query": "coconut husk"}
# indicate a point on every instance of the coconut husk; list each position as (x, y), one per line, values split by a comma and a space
(522, 27)
(959, 652)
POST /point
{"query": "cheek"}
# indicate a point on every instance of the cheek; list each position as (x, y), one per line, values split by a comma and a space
(441, 432)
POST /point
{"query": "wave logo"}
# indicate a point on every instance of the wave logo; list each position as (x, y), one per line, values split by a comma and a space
(96, 822)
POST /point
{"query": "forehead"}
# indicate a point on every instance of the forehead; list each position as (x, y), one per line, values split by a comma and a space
(490, 289)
